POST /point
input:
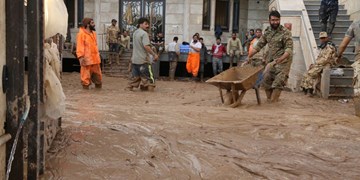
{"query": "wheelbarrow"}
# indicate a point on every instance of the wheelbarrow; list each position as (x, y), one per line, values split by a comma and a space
(238, 79)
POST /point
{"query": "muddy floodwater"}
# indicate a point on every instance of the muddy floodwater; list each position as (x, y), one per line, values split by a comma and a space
(182, 131)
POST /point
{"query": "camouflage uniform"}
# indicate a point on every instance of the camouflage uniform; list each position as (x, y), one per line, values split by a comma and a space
(326, 57)
(279, 41)
(259, 58)
(112, 38)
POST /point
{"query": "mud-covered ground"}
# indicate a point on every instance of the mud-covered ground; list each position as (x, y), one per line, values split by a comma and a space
(182, 131)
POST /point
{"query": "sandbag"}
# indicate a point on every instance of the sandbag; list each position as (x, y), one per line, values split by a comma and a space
(55, 97)
(56, 18)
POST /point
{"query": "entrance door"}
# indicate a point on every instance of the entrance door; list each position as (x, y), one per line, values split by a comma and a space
(132, 10)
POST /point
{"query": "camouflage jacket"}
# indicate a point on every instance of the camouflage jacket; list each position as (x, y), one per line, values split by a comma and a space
(279, 42)
(112, 34)
(354, 32)
(327, 55)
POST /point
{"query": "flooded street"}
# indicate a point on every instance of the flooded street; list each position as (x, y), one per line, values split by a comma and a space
(182, 131)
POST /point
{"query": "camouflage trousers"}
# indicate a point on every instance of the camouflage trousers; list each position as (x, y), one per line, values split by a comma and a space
(277, 75)
(310, 77)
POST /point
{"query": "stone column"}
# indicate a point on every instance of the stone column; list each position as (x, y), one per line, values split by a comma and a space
(212, 15)
(231, 16)
(186, 20)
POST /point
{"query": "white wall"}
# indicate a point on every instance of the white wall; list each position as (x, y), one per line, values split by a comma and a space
(102, 12)
(2, 96)
(353, 7)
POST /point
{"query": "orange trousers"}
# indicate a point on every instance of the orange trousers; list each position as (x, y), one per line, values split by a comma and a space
(193, 63)
(91, 73)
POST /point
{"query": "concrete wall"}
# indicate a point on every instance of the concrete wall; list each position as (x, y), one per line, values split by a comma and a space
(257, 13)
(102, 12)
(353, 7)
(2, 96)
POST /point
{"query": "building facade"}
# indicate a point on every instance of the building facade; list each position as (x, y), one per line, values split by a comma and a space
(181, 18)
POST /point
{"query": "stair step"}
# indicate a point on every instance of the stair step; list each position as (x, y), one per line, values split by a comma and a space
(335, 34)
(316, 6)
(342, 23)
(340, 95)
(341, 77)
(338, 28)
(316, 12)
(341, 86)
(339, 17)
(340, 82)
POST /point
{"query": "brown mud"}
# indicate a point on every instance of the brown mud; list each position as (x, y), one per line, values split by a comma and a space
(182, 131)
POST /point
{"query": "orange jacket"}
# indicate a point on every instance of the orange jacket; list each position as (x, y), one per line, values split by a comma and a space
(86, 47)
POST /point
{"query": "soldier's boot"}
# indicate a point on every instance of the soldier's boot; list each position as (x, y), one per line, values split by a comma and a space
(311, 92)
(330, 29)
(305, 91)
(275, 95)
(117, 58)
(323, 26)
(268, 93)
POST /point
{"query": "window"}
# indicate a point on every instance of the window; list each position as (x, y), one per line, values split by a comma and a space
(222, 14)
(236, 16)
(206, 15)
(70, 5)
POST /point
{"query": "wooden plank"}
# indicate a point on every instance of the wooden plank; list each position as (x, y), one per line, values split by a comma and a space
(35, 57)
(14, 96)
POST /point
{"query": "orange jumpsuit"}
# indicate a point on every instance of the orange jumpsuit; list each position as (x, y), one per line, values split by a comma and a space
(86, 48)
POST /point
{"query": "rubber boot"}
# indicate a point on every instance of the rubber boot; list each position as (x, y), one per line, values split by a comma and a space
(86, 87)
(268, 94)
(275, 95)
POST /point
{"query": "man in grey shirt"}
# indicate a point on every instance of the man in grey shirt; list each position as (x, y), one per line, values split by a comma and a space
(141, 67)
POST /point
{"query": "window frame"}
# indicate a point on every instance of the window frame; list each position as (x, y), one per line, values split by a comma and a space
(206, 16)
(225, 28)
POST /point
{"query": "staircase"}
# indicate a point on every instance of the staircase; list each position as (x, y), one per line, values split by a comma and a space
(117, 70)
(340, 86)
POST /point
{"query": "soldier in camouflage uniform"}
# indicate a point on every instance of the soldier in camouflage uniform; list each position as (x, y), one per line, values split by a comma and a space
(279, 40)
(354, 32)
(112, 40)
(328, 11)
(327, 57)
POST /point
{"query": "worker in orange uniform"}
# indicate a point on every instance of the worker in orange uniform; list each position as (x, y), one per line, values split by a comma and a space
(193, 60)
(88, 54)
